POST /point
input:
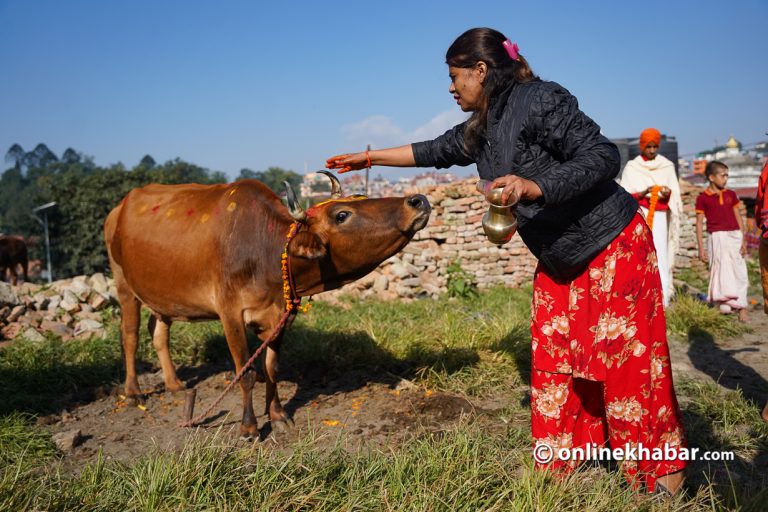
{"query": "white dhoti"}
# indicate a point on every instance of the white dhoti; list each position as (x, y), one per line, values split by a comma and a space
(727, 269)
(659, 231)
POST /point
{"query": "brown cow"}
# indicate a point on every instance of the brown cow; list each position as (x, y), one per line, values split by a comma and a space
(13, 252)
(200, 252)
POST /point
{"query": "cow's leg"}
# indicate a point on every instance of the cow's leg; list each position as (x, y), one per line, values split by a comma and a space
(234, 330)
(25, 267)
(273, 407)
(129, 334)
(14, 276)
(160, 331)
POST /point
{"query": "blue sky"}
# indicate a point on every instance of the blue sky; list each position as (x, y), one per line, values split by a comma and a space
(234, 84)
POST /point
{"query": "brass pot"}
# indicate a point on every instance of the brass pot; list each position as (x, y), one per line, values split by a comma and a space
(500, 221)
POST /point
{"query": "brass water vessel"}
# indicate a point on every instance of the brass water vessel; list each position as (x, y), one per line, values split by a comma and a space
(500, 221)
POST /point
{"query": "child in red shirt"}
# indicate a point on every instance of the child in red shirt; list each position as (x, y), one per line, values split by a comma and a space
(726, 242)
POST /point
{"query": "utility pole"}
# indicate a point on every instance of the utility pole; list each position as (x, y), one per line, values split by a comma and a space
(367, 169)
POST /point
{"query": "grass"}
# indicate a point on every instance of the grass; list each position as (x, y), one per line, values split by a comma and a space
(687, 313)
(462, 469)
(473, 347)
(725, 421)
(469, 346)
(753, 273)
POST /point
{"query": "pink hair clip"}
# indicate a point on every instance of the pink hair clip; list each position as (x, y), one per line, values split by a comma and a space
(512, 49)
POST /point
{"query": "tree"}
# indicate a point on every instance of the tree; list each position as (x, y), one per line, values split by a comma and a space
(179, 171)
(70, 156)
(247, 174)
(148, 162)
(84, 193)
(41, 156)
(274, 178)
(15, 155)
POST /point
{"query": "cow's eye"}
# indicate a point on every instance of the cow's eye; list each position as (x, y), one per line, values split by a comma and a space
(342, 216)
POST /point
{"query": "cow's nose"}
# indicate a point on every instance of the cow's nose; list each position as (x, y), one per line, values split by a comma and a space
(418, 201)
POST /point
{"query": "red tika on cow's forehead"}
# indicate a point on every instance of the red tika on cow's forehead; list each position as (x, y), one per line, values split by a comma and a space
(311, 211)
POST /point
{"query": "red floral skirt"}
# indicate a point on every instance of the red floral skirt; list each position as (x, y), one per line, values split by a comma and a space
(601, 370)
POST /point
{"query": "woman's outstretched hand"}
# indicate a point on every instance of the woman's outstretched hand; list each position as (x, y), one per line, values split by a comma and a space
(516, 189)
(348, 162)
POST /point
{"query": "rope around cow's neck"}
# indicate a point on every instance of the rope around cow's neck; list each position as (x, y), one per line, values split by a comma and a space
(292, 306)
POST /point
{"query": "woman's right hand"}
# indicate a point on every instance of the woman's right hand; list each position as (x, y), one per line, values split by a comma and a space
(348, 162)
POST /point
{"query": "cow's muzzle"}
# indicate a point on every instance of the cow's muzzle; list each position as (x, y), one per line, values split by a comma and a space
(419, 205)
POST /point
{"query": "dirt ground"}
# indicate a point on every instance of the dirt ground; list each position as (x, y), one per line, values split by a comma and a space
(372, 409)
(379, 411)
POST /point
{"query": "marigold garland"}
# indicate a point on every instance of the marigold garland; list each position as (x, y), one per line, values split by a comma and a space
(652, 204)
(290, 302)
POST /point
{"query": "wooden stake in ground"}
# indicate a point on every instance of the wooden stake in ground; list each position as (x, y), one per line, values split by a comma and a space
(189, 404)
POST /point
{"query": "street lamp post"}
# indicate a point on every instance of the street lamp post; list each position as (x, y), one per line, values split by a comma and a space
(367, 169)
(44, 222)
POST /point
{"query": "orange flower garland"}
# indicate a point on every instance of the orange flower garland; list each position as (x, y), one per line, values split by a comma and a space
(652, 204)
(289, 301)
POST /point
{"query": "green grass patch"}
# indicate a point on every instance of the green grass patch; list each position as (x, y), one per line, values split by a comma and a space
(461, 345)
(20, 440)
(753, 273)
(40, 376)
(687, 313)
(459, 469)
(699, 279)
(722, 418)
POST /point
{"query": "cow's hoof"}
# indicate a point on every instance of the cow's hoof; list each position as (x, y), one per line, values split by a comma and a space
(175, 387)
(282, 425)
(249, 431)
(134, 400)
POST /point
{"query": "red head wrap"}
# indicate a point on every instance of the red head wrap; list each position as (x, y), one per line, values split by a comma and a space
(649, 135)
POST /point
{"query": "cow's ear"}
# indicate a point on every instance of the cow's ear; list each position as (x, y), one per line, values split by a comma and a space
(306, 245)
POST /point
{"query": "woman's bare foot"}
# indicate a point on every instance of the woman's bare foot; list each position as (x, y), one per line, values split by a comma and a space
(743, 315)
(672, 483)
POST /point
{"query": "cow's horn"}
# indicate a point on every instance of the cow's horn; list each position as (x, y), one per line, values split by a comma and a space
(297, 212)
(335, 185)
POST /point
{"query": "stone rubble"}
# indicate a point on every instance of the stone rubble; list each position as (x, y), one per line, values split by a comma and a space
(69, 308)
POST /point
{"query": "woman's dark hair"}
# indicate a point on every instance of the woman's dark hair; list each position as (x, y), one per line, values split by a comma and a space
(485, 44)
(714, 166)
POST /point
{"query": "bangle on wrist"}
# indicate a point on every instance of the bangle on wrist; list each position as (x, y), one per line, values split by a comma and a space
(368, 158)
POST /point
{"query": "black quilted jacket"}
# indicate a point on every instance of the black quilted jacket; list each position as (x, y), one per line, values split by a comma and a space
(537, 131)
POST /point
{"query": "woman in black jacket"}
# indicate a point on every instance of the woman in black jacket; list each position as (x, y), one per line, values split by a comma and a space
(601, 369)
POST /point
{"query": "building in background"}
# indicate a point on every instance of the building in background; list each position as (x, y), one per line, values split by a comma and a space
(743, 165)
(316, 187)
(629, 148)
